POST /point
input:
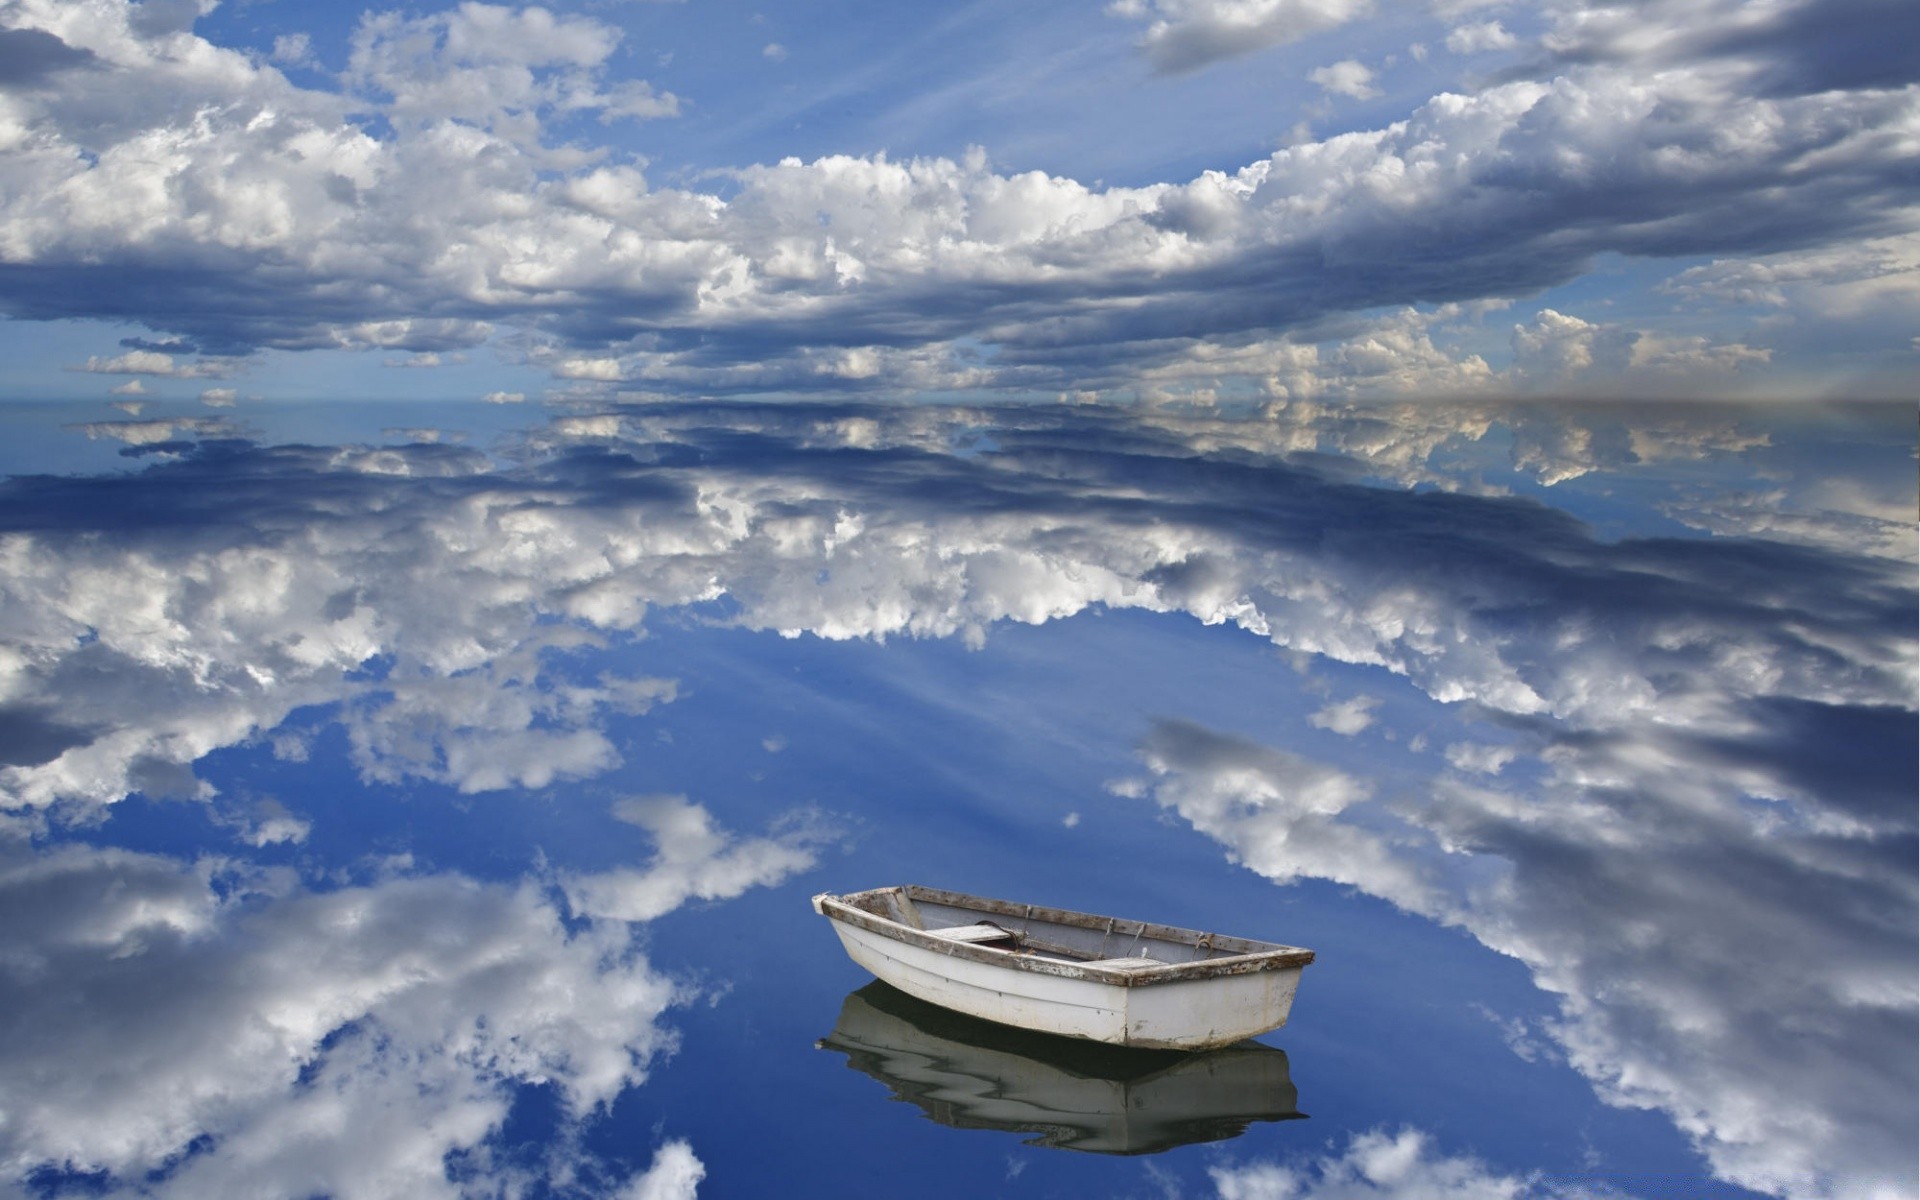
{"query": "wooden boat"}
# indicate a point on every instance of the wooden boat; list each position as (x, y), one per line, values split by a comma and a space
(1070, 1094)
(1126, 983)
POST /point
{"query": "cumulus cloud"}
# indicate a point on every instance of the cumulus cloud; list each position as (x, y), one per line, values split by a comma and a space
(506, 722)
(1277, 812)
(1348, 77)
(1185, 35)
(675, 1174)
(293, 50)
(1348, 717)
(499, 68)
(1633, 885)
(349, 1041)
(1377, 1165)
(1479, 38)
(227, 204)
(1480, 758)
(1559, 348)
(267, 822)
(692, 860)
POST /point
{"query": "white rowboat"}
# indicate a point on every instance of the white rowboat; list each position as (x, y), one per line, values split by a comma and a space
(1126, 983)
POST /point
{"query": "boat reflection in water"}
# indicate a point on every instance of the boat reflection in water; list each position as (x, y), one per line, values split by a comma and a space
(1076, 1095)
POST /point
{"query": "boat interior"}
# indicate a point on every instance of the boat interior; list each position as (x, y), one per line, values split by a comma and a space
(1053, 933)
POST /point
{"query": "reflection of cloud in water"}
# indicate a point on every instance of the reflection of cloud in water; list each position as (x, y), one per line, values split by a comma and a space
(1717, 732)
(1383, 1166)
(1752, 979)
(692, 860)
(972, 1074)
(442, 598)
(240, 1035)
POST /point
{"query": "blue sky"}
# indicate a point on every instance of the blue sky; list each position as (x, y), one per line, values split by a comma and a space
(1193, 200)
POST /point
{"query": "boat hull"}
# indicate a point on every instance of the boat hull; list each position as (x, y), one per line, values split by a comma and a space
(1196, 1013)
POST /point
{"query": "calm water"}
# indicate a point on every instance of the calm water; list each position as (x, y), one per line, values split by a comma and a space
(438, 818)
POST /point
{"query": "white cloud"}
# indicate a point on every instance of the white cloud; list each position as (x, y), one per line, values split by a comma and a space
(675, 1174)
(1558, 346)
(293, 50)
(1480, 38)
(219, 397)
(1346, 718)
(1631, 884)
(1278, 813)
(604, 369)
(1348, 77)
(504, 723)
(153, 432)
(149, 362)
(1185, 35)
(1377, 1165)
(505, 397)
(345, 1041)
(692, 860)
(1480, 758)
(497, 67)
(267, 822)
(1561, 348)
(774, 52)
(1842, 281)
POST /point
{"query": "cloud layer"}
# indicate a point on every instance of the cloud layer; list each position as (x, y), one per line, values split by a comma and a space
(206, 195)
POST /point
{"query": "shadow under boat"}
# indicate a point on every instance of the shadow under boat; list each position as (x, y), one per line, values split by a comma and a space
(1076, 1095)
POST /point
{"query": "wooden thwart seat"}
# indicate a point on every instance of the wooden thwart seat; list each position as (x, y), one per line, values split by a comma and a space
(972, 934)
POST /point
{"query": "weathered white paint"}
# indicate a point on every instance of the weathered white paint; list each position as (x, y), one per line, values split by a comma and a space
(1048, 1003)
(1196, 997)
(1196, 1013)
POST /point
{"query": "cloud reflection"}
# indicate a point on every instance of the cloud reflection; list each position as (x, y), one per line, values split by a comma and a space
(1387, 1166)
(1691, 764)
(199, 1029)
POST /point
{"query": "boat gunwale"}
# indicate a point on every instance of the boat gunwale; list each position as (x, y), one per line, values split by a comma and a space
(1270, 956)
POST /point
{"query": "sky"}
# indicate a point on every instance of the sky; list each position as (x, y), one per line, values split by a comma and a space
(1208, 201)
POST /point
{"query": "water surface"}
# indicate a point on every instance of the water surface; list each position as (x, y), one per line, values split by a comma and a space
(413, 816)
